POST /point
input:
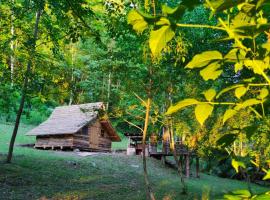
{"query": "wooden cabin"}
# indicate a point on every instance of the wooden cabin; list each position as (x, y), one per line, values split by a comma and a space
(76, 127)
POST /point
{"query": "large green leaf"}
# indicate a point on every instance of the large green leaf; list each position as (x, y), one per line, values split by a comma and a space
(250, 130)
(210, 94)
(258, 66)
(137, 21)
(203, 59)
(159, 39)
(203, 111)
(181, 104)
(228, 114)
(249, 102)
(235, 55)
(211, 71)
(236, 164)
(226, 140)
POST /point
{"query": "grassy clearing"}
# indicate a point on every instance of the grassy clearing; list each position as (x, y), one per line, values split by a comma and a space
(35, 174)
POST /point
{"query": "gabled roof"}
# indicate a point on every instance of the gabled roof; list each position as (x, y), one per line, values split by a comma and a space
(68, 119)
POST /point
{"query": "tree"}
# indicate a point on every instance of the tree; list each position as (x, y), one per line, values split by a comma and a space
(50, 9)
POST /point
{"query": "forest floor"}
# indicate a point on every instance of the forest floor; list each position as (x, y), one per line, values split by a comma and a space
(39, 174)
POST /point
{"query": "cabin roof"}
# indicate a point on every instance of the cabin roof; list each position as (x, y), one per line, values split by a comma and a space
(70, 119)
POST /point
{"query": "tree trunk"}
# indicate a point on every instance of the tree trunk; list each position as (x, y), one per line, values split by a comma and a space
(178, 162)
(12, 45)
(109, 90)
(72, 90)
(25, 85)
(150, 194)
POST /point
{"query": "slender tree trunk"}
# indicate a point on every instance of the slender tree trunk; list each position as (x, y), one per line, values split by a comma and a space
(178, 162)
(109, 90)
(25, 85)
(12, 44)
(150, 193)
(71, 97)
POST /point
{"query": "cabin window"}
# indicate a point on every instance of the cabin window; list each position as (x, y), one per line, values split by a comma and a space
(102, 133)
(85, 130)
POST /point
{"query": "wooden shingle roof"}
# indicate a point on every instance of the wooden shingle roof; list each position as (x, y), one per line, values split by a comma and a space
(68, 119)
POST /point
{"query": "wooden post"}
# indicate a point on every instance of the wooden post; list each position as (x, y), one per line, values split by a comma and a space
(187, 165)
(163, 160)
(197, 167)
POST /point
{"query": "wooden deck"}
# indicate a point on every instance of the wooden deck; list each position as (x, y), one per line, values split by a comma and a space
(186, 157)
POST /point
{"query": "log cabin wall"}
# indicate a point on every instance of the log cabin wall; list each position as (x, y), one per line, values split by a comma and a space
(81, 138)
(99, 138)
(52, 141)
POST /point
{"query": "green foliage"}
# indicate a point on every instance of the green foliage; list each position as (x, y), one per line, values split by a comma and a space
(202, 112)
(180, 105)
(226, 140)
(204, 59)
(236, 164)
(210, 94)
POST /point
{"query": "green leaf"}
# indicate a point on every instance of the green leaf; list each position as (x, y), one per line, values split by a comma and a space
(235, 55)
(203, 59)
(250, 130)
(240, 91)
(228, 89)
(202, 112)
(163, 21)
(260, 3)
(263, 93)
(211, 71)
(226, 140)
(249, 102)
(262, 197)
(267, 176)
(176, 12)
(137, 21)
(242, 193)
(210, 94)
(159, 39)
(231, 197)
(228, 114)
(237, 164)
(180, 105)
(190, 4)
(238, 67)
(221, 5)
(258, 66)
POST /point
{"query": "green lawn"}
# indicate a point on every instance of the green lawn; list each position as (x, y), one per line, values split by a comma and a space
(36, 173)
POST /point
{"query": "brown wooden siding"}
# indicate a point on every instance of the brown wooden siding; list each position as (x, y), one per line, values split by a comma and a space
(99, 138)
(54, 141)
(81, 139)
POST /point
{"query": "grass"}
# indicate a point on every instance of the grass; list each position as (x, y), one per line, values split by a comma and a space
(38, 174)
